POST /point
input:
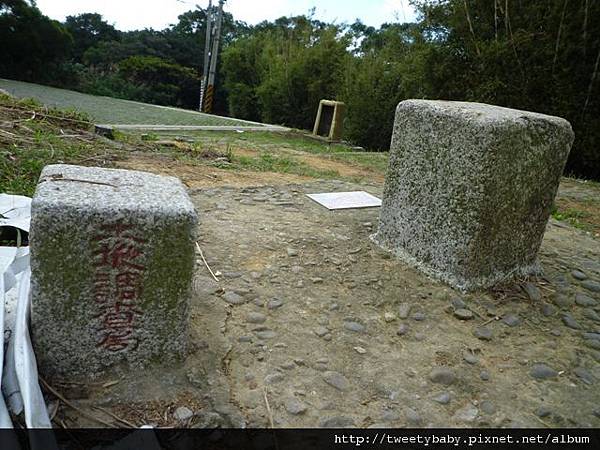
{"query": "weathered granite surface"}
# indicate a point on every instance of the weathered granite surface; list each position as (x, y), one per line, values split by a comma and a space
(112, 258)
(469, 189)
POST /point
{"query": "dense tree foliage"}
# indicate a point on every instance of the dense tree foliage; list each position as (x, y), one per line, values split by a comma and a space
(281, 71)
(89, 30)
(31, 45)
(538, 55)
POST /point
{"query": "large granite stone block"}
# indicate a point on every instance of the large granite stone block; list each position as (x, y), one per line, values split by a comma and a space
(469, 189)
(112, 258)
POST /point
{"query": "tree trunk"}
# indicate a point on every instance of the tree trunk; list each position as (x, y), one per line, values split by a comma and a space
(562, 19)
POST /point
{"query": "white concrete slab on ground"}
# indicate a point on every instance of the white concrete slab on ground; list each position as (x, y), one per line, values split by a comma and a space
(195, 127)
(346, 200)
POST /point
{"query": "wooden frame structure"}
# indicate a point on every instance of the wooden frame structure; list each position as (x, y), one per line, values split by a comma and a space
(329, 121)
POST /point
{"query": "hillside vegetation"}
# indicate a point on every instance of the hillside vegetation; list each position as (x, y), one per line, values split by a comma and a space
(539, 55)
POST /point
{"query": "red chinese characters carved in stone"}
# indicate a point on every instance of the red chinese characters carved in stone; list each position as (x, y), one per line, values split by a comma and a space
(119, 271)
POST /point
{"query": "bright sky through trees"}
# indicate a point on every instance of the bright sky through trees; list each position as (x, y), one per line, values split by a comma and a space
(158, 14)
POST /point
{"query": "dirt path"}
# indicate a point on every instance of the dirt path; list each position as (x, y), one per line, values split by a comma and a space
(319, 324)
(313, 319)
(200, 175)
(333, 332)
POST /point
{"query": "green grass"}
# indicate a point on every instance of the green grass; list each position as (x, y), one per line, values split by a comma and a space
(280, 149)
(276, 143)
(258, 139)
(32, 136)
(108, 110)
(295, 139)
(28, 142)
(269, 162)
(574, 217)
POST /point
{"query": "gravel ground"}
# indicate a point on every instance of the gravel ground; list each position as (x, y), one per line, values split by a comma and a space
(311, 319)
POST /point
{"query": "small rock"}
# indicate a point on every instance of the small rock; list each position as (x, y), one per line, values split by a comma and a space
(289, 365)
(483, 333)
(294, 406)
(584, 300)
(532, 292)
(418, 316)
(561, 280)
(543, 411)
(413, 417)
(321, 366)
(562, 301)
(402, 329)
(584, 374)
(360, 350)
(442, 375)
(570, 322)
(321, 331)
(274, 303)
(183, 413)
(354, 326)
(548, 310)
(487, 407)
(404, 310)
(255, 317)
(266, 334)
(556, 332)
(443, 398)
(589, 313)
(292, 251)
(316, 280)
(336, 379)
(511, 320)
(484, 375)
(591, 285)
(273, 378)
(390, 416)
(458, 303)
(470, 358)
(542, 372)
(595, 336)
(463, 314)
(337, 422)
(578, 275)
(389, 317)
(233, 299)
(467, 413)
(490, 309)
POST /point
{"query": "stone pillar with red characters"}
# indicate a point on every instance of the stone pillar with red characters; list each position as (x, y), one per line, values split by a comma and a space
(112, 261)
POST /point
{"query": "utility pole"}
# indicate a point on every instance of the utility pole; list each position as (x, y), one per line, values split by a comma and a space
(208, 100)
(206, 53)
